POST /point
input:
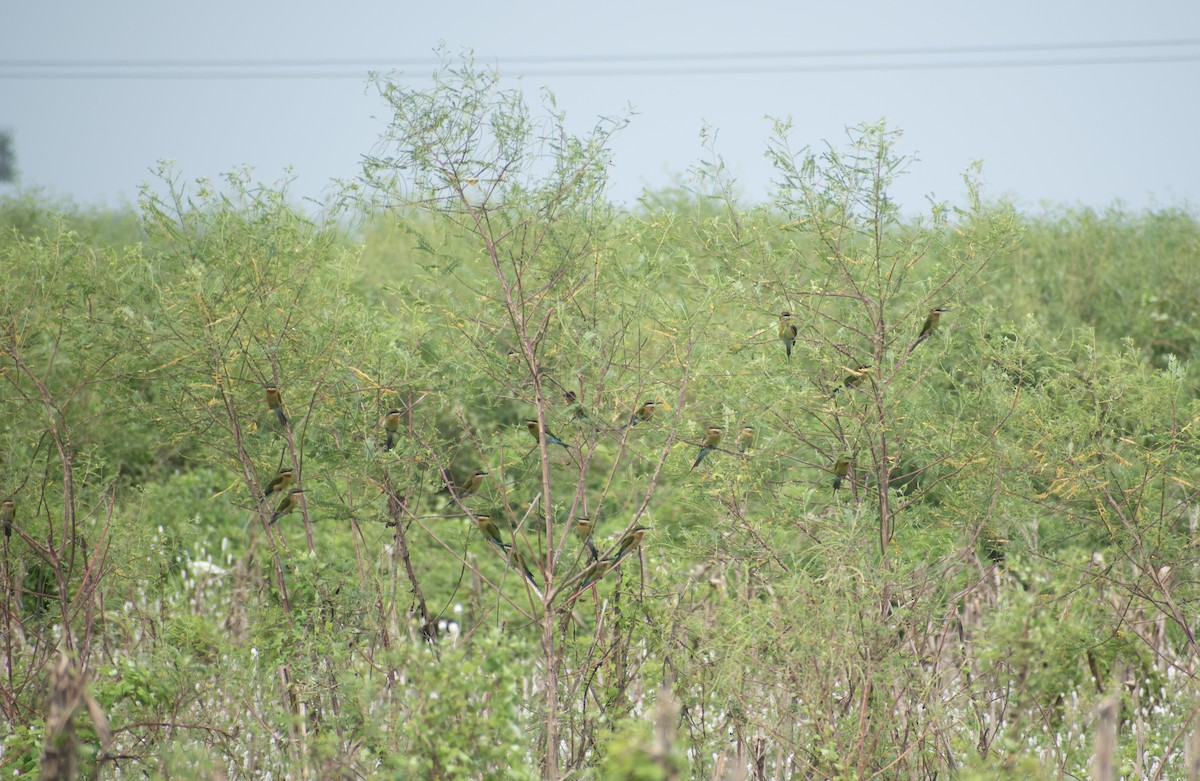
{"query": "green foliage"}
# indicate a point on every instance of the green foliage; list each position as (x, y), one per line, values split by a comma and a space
(1012, 537)
(22, 746)
(130, 682)
(631, 755)
(1125, 275)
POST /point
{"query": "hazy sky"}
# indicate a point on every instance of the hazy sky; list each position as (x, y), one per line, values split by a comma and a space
(1123, 126)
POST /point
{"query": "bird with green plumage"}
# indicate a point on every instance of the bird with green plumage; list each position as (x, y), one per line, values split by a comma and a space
(288, 505)
(281, 481)
(643, 413)
(275, 403)
(534, 429)
(586, 530)
(391, 425)
(745, 440)
(930, 325)
(712, 438)
(629, 543)
(788, 331)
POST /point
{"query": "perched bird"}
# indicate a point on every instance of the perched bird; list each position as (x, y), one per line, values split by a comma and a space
(629, 542)
(841, 468)
(518, 561)
(787, 332)
(643, 413)
(391, 424)
(592, 573)
(289, 503)
(8, 511)
(745, 439)
(584, 528)
(929, 326)
(854, 378)
(712, 438)
(489, 529)
(574, 406)
(474, 482)
(533, 427)
(469, 486)
(275, 402)
(280, 482)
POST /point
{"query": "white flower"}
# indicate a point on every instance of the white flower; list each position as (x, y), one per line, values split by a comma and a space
(202, 567)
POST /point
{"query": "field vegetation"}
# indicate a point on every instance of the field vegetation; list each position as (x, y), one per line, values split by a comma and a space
(1002, 584)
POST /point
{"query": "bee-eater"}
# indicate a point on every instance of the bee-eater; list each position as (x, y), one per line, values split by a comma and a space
(391, 424)
(592, 573)
(275, 402)
(8, 511)
(787, 332)
(474, 482)
(574, 406)
(930, 325)
(712, 438)
(280, 482)
(584, 528)
(469, 486)
(854, 378)
(841, 468)
(289, 503)
(629, 542)
(489, 529)
(643, 413)
(517, 559)
(533, 427)
(745, 439)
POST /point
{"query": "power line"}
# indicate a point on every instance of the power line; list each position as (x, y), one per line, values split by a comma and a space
(640, 72)
(564, 59)
(618, 65)
(862, 67)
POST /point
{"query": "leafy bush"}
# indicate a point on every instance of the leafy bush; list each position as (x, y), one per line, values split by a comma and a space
(1010, 540)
